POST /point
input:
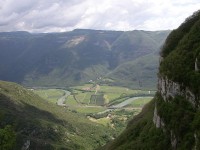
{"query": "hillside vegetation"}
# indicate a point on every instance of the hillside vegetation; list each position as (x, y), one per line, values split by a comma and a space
(79, 56)
(43, 125)
(141, 133)
(186, 52)
(171, 120)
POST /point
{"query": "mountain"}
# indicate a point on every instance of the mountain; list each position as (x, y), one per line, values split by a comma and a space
(139, 73)
(38, 124)
(81, 55)
(171, 120)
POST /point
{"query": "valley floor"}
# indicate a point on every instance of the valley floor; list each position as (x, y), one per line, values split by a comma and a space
(113, 107)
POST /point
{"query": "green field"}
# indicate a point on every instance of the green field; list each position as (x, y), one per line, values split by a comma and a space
(71, 101)
(111, 93)
(52, 95)
(104, 121)
(61, 127)
(140, 102)
(88, 110)
(79, 103)
(79, 100)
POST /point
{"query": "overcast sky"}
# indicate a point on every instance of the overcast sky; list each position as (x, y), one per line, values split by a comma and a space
(65, 15)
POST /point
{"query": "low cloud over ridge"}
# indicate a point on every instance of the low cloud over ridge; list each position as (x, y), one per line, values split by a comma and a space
(62, 15)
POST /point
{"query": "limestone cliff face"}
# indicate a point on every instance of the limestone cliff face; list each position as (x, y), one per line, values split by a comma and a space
(179, 76)
(169, 89)
(172, 118)
(157, 119)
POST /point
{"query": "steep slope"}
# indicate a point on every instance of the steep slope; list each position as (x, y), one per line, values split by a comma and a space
(137, 67)
(42, 125)
(171, 120)
(75, 57)
(139, 73)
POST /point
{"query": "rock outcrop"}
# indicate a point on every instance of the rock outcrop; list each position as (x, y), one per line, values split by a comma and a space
(173, 140)
(179, 83)
(196, 65)
(26, 145)
(157, 119)
(171, 121)
(169, 89)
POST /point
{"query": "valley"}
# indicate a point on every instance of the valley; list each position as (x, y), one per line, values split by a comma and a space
(99, 75)
(111, 106)
(76, 89)
(35, 120)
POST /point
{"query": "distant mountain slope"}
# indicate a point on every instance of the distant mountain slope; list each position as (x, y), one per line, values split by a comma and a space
(63, 59)
(42, 125)
(171, 120)
(139, 73)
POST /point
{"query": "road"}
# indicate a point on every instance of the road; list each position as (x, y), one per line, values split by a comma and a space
(62, 99)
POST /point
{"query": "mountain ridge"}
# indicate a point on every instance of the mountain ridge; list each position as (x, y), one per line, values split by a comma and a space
(70, 58)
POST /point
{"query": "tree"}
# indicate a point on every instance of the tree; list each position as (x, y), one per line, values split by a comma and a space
(7, 138)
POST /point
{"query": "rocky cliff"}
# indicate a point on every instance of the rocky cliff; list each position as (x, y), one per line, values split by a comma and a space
(169, 89)
(179, 80)
(172, 120)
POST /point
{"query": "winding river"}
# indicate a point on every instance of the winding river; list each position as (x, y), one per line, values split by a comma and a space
(122, 104)
(62, 99)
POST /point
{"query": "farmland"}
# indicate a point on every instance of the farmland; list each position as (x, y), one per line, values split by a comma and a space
(80, 101)
(51, 95)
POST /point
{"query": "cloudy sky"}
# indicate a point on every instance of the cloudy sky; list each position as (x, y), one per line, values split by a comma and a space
(66, 15)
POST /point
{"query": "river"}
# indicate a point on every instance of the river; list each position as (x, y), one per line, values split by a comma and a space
(122, 104)
(62, 99)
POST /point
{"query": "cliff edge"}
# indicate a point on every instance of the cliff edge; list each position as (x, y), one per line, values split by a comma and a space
(171, 120)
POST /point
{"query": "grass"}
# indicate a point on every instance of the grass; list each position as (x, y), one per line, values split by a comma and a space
(140, 133)
(52, 95)
(29, 113)
(88, 110)
(82, 96)
(112, 93)
(104, 121)
(140, 102)
(70, 101)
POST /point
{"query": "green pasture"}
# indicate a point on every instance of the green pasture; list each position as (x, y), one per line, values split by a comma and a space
(140, 102)
(88, 110)
(52, 95)
(111, 93)
(104, 121)
(71, 101)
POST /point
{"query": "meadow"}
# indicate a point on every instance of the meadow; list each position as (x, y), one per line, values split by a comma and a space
(78, 102)
(111, 93)
(52, 95)
(79, 99)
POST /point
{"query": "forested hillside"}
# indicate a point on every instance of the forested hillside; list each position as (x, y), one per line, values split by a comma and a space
(79, 56)
(30, 122)
(171, 120)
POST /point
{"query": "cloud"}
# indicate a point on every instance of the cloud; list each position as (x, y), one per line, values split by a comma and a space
(62, 15)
